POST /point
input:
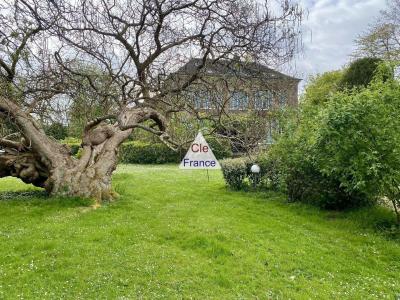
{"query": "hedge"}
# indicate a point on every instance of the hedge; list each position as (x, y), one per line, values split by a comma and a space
(138, 152)
(237, 173)
(146, 153)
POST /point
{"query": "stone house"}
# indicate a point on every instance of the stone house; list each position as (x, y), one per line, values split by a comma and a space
(238, 87)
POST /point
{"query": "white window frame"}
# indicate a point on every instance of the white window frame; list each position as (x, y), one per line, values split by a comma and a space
(241, 103)
(265, 98)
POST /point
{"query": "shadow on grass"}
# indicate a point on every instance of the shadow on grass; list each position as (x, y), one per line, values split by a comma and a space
(41, 198)
(22, 195)
(376, 218)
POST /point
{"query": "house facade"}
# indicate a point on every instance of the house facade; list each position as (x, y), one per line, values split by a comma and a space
(234, 88)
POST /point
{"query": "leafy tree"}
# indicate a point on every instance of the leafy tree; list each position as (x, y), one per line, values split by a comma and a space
(382, 39)
(346, 151)
(360, 72)
(321, 86)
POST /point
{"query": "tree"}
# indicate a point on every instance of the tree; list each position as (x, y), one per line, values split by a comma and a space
(344, 152)
(379, 41)
(382, 39)
(321, 86)
(85, 105)
(358, 141)
(137, 44)
(360, 72)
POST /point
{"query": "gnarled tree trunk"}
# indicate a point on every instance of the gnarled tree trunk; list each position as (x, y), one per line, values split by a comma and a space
(42, 161)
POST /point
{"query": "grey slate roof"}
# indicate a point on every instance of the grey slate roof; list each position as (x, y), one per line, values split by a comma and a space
(234, 67)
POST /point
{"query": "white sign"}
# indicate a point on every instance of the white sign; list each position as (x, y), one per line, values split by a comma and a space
(199, 156)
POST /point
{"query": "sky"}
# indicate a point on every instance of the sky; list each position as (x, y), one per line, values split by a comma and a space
(329, 32)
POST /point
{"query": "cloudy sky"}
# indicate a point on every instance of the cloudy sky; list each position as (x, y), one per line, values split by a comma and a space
(330, 31)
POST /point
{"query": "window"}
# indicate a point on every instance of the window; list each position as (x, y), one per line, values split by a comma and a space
(207, 103)
(192, 98)
(197, 102)
(239, 101)
(270, 133)
(202, 99)
(273, 129)
(263, 100)
(282, 99)
(216, 99)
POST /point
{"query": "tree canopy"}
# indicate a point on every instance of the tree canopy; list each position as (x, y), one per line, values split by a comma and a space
(116, 54)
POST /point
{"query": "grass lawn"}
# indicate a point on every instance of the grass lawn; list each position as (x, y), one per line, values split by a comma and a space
(172, 235)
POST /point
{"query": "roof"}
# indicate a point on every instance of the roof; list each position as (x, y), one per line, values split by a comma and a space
(234, 67)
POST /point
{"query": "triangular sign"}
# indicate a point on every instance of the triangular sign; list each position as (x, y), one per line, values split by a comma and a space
(199, 156)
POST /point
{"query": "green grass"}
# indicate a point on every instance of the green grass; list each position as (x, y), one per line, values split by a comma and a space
(172, 234)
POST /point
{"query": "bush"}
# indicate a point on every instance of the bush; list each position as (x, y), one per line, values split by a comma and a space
(358, 141)
(321, 86)
(360, 72)
(300, 174)
(138, 152)
(270, 173)
(235, 172)
(145, 153)
(344, 153)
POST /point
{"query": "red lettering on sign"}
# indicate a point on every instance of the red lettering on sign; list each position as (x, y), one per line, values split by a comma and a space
(199, 148)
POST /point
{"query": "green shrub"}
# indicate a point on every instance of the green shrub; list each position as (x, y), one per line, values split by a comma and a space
(321, 86)
(358, 141)
(145, 153)
(134, 152)
(298, 172)
(235, 172)
(344, 152)
(270, 173)
(138, 152)
(360, 72)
